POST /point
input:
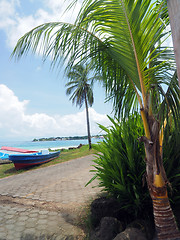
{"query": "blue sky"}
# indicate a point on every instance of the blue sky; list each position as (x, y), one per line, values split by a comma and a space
(33, 102)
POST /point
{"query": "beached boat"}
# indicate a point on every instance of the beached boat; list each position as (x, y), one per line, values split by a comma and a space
(27, 160)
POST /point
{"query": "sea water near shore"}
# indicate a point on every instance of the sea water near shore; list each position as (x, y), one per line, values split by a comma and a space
(40, 145)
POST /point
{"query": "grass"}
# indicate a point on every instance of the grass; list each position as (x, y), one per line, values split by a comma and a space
(65, 155)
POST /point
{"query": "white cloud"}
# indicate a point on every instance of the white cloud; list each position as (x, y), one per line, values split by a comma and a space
(7, 9)
(15, 24)
(16, 124)
(9, 102)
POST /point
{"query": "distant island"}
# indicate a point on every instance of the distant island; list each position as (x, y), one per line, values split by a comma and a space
(65, 138)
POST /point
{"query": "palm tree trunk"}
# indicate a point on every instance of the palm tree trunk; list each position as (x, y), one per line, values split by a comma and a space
(88, 125)
(174, 16)
(165, 223)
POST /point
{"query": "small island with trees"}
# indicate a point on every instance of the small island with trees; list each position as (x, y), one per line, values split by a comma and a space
(64, 138)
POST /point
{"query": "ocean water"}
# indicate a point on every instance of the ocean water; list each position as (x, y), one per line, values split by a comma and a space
(47, 144)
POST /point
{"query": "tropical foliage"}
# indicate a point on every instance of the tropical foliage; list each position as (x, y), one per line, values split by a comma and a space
(120, 166)
(123, 41)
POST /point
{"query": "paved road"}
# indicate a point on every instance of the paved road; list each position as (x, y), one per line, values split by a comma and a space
(44, 203)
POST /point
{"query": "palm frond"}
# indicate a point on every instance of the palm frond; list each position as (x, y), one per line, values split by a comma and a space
(170, 105)
(120, 39)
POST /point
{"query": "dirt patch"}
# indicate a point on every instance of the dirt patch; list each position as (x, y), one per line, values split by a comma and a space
(50, 206)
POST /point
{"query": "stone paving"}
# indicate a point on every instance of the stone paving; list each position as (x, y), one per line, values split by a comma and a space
(44, 203)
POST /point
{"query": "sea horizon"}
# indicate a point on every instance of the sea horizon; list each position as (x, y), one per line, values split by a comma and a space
(41, 145)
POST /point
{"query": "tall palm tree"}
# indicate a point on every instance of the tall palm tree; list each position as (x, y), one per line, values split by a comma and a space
(81, 91)
(123, 41)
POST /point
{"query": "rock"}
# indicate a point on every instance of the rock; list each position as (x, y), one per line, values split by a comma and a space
(80, 145)
(109, 227)
(176, 211)
(106, 207)
(71, 148)
(62, 149)
(131, 234)
(147, 227)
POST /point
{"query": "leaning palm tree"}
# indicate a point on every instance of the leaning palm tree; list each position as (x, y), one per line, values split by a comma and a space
(81, 91)
(123, 41)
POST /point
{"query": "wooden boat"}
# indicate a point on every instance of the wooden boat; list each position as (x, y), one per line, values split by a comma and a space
(13, 149)
(27, 160)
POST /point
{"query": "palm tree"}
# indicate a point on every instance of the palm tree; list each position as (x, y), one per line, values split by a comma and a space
(123, 41)
(81, 90)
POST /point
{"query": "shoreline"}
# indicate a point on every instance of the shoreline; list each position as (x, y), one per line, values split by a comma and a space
(4, 161)
(37, 146)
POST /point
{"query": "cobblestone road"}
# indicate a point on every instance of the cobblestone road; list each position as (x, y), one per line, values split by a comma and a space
(44, 203)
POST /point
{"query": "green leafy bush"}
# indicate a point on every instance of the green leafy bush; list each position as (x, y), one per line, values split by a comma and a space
(120, 165)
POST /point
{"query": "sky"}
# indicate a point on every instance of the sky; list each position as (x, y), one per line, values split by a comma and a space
(33, 101)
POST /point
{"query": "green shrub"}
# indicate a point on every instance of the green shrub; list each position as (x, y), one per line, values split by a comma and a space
(120, 165)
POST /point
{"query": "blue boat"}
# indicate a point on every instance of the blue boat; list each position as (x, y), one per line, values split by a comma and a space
(4, 156)
(27, 160)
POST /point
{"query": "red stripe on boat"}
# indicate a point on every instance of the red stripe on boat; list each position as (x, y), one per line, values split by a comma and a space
(17, 149)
